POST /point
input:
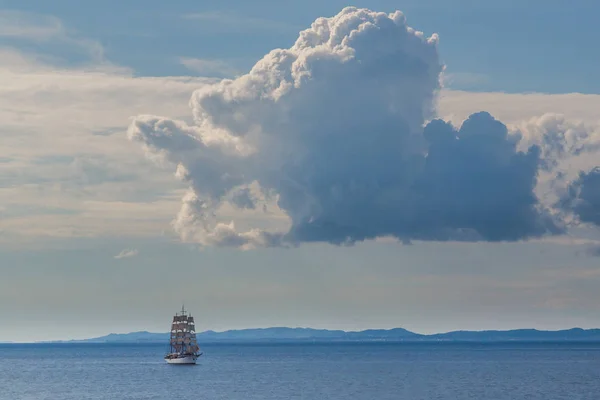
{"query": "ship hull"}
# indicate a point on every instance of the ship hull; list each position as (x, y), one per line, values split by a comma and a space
(187, 360)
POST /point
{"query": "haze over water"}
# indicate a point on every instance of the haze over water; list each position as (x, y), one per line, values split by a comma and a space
(426, 371)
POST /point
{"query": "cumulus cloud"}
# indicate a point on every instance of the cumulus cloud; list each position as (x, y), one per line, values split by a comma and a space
(583, 197)
(243, 198)
(126, 253)
(475, 179)
(559, 138)
(340, 131)
(566, 148)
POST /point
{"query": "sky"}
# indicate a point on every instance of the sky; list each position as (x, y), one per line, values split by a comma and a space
(420, 164)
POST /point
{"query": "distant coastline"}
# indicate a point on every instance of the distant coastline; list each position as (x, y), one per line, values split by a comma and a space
(371, 335)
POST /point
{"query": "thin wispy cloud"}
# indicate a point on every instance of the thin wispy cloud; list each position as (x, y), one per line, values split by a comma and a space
(17, 24)
(454, 79)
(127, 253)
(227, 21)
(47, 28)
(57, 114)
(210, 68)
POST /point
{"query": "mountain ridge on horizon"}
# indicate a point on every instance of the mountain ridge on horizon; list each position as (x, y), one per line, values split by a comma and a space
(327, 335)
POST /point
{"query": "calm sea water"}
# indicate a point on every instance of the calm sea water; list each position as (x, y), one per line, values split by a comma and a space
(304, 371)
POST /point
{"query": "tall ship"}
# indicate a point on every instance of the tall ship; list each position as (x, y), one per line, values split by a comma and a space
(183, 347)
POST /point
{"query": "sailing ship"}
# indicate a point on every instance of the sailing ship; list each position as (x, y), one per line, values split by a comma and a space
(183, 347)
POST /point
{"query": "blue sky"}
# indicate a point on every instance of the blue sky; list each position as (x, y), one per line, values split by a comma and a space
(86, 215)
(548, 43)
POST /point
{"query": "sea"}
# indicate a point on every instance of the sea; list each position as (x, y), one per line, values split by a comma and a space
(311, 371)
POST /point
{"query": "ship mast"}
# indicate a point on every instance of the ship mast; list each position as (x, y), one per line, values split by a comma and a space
(183, 334)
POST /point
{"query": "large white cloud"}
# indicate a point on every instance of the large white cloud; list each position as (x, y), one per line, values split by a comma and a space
(332, 128)
(349, 98)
